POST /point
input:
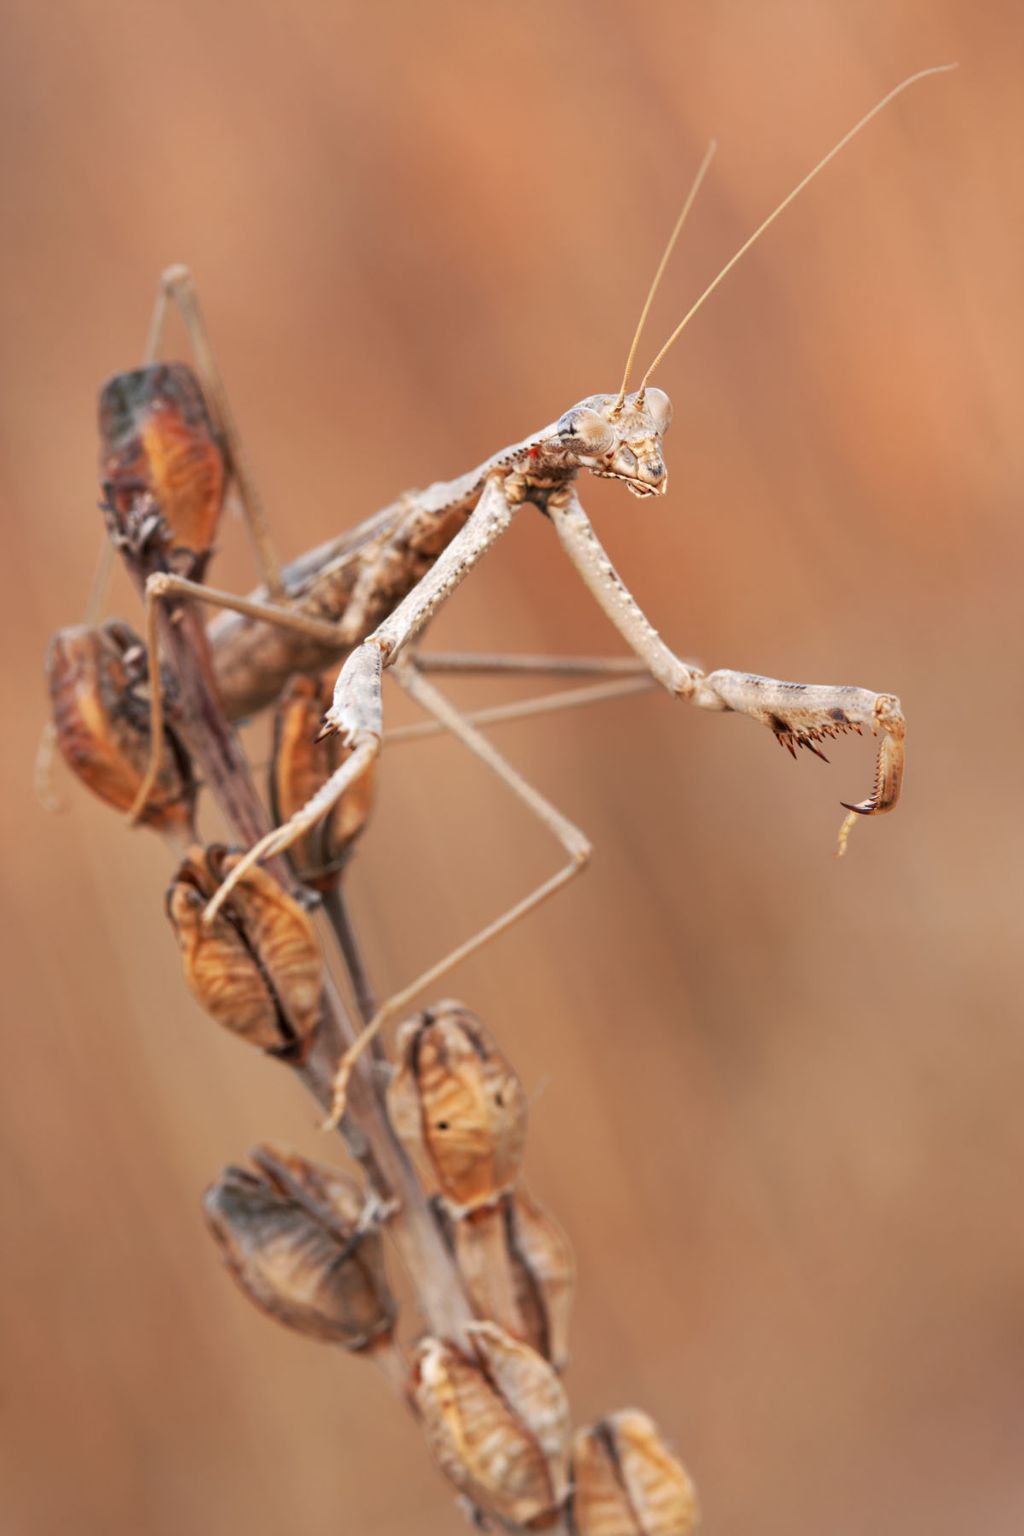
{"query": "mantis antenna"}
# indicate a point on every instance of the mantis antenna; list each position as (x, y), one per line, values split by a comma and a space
(922, 74)
(670, 247)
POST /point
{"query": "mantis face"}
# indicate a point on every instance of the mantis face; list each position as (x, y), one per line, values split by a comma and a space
(620, 438)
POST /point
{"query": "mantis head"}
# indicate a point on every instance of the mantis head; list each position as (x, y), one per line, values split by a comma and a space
(619, 437)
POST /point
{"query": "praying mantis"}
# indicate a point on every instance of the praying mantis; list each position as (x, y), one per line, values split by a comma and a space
(368, 596)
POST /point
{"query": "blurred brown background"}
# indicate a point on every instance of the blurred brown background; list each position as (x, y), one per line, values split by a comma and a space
(777, 1098)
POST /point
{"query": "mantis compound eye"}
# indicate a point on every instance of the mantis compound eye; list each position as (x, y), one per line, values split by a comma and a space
(586, 432)
(660, 408)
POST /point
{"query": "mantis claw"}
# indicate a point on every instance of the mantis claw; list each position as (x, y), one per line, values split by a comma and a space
(804, 714)
(885, 792)
(888, 779)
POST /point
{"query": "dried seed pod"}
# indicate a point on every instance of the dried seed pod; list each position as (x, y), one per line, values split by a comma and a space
(496, 1423)
(479, 1244)
(627, 1483)
(300, 765)
(161, 464)
(518, 1270)
(456, 1101)
(97, 679)
(290, 1235)
(326, 1193)
(257, 968)
(546, 1271)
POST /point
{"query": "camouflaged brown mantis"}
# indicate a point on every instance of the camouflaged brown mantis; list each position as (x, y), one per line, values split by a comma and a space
(369, 595)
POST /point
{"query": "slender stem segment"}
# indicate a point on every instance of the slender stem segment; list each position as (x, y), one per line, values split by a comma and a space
(340, 919)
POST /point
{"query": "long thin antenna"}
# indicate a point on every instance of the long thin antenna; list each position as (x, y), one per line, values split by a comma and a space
(673, 237)
(922, 74)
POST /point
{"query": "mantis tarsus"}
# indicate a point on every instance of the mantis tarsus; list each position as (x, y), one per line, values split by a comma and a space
(371, 593)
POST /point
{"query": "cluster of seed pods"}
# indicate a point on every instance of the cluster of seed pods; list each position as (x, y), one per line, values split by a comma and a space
(164, 475)
(495, 1413)
(306, 1247)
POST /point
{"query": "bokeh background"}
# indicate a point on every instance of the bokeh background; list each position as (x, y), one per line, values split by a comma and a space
(776, 1098)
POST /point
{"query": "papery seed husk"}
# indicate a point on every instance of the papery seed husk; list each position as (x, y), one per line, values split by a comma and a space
(221, 973)
(517, 1267)
(257, 968)
(477, 1440)
(627, 1483)
(546, 1272)
(97, 680)
(284, 938)
(600, 1505)
(158, 444)
(532, 1390)
(658, 1484)
(295, 1269)
(490, 1274)
(328, 1194)
(458, 1104)
(300, 766)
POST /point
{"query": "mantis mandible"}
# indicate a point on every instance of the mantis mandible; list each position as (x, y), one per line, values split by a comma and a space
(369, 596)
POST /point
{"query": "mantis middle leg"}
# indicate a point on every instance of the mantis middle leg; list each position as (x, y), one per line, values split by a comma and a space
(572, 839)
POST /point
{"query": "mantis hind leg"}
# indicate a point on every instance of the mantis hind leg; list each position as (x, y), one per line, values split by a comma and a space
(178, 287)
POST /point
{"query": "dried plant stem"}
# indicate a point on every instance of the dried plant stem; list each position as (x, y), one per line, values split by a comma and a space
(366, 1128)
(340, 919)
(370, 1139)
(224, 766)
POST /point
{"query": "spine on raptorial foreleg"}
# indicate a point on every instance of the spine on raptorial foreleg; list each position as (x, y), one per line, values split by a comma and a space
(891, 759)
(356, 709)
(356, 713)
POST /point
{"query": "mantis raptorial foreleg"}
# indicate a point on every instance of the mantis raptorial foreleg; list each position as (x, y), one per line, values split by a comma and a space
(800, 714)
(575, 843)
(165, 587)
(356, 710)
